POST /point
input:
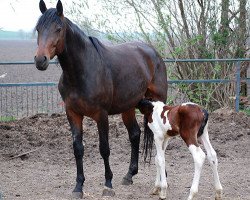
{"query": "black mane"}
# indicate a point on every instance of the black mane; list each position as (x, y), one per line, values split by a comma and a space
(75, 32)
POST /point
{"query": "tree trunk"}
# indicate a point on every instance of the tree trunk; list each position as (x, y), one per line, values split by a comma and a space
(224, 30)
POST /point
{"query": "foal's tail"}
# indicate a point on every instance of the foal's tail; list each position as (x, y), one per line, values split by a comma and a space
(146, 107)
(204, 123)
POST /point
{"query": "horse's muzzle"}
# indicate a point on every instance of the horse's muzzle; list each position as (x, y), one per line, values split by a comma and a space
(42, 62)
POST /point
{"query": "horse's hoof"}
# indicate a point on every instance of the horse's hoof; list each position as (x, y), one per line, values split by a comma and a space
(126, 181)
(108, 192)
(77, 195)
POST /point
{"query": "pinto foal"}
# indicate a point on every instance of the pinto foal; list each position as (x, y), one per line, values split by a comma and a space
(190, 121)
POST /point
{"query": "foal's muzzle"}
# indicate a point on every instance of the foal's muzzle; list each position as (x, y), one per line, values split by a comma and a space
(42, 62)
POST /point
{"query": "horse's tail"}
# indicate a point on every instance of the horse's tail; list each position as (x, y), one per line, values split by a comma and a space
(146, 108)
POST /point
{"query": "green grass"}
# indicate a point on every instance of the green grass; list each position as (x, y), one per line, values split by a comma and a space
(247, 111)
(7, 118)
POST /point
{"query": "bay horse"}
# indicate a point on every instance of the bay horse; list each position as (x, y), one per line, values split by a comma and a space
(191, 122)
(99, 80)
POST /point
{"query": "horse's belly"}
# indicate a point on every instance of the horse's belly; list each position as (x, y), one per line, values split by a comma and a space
(124, 101)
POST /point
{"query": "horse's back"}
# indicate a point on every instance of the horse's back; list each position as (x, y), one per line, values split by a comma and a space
(134, 67)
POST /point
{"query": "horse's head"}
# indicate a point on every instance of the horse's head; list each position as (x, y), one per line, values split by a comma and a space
(51, 33)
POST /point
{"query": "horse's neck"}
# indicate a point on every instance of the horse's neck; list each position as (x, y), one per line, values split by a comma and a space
(75, 59)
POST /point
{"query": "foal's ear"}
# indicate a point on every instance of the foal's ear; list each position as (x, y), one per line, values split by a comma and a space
(59, 8)
(42, 6)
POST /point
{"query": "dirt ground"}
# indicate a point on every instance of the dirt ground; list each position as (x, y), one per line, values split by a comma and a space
(48, 171)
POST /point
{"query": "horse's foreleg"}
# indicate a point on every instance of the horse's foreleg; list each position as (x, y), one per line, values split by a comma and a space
(134, 136)
(212, 158)
(103, 130)
(75, 122)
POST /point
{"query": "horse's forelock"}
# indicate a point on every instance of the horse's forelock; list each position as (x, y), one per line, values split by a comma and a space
(49, 17)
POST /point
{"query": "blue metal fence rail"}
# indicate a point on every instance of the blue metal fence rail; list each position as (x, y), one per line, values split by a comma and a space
(237, 79)
(24, 63)
(25, 99)
(236, 61)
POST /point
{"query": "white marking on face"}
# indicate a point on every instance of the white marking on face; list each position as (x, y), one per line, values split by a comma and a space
(188, 103)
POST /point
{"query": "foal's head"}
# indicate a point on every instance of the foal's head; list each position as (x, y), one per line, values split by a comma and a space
(51, 33)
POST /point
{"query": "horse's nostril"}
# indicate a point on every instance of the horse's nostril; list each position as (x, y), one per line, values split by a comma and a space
(45, 58)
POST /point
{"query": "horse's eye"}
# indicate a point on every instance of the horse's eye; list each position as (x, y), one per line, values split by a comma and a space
(58, 29)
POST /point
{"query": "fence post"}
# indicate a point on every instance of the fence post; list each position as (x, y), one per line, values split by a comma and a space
(237, 95)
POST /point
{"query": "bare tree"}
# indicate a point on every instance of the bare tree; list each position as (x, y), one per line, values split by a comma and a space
(184, 29)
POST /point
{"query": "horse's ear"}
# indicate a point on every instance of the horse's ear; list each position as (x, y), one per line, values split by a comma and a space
(59, 8)
(42, 6)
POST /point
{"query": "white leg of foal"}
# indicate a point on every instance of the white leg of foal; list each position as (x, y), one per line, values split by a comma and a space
(160, 156)
(157, 188)
(212, 157)
(199, 158)
(165, 144)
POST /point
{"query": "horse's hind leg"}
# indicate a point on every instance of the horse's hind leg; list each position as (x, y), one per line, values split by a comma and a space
(134, 136)
(212, 158)
(157, 89)
(103, 131)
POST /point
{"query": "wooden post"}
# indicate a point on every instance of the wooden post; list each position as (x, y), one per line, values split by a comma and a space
(248, 82)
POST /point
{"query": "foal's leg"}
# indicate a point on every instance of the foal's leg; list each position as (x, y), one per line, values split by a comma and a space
(212, 157)
(157, 187)
(199, 158)
(134, 136)
(75, 122)
(161, 180)
(103, 130)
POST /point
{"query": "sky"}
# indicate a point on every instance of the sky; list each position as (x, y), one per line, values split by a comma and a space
(18, 15)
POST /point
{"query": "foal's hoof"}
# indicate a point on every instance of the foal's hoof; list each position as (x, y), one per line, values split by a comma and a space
(218, 195)
(107, 192)
(126, 181)
(77, 195)
(156, 191)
